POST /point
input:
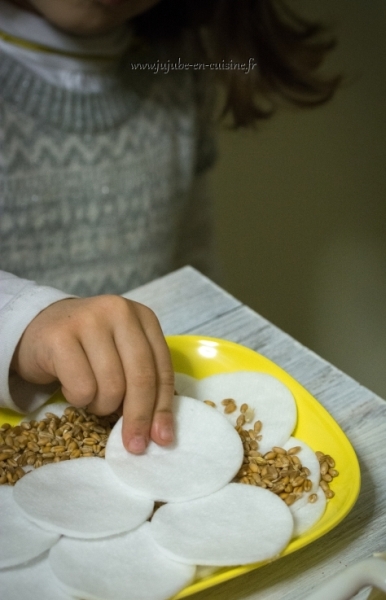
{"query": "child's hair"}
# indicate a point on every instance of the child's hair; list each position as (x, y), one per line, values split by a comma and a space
(288, 49)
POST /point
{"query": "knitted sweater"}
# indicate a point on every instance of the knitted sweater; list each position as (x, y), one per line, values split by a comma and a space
(98, 190)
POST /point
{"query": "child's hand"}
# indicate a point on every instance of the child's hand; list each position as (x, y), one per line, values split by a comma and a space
(106, 352)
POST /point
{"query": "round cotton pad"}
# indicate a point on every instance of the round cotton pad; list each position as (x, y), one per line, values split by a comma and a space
(21, 540)
(81, 498)
(305, 515)
(271, 401)
(206, 455)
(55, 408)
(34, 580)
(128, 566)
(239, 524)
(185, 384)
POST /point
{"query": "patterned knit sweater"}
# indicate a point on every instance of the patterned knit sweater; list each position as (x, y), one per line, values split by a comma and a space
(98, 190)
(95, 189)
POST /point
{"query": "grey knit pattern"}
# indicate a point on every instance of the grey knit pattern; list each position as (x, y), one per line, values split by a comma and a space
(95, 188)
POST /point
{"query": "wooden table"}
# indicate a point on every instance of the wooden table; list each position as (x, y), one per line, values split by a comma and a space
(187, 302)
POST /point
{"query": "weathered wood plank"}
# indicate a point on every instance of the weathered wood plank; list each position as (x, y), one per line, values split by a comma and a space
(184, 299)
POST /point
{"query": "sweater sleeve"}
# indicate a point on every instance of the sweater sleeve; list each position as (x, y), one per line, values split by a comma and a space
(20, 301)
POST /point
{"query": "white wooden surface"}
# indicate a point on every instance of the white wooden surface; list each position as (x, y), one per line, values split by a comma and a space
(187, 302)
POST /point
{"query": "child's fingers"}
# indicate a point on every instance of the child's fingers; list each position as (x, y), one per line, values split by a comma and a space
(138, 403)
(71, 366)
(107, 367)
(162, 430)
(149, 382)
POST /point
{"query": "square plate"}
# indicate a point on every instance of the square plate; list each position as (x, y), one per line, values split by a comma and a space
(200, 357)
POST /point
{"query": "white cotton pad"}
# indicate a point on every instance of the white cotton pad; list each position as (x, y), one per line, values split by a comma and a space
(81, 498)
(21, 540)
(206, 455)
(308, 459)
(239, 524)
(56, 408)
(271, 402)
(203, 571)
(185, 385)
(128, 566)
(306, 514)
(33, 581)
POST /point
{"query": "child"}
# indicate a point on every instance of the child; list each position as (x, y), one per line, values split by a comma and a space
(107, 138)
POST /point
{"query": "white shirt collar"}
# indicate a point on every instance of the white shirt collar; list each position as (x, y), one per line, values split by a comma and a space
(70, 73)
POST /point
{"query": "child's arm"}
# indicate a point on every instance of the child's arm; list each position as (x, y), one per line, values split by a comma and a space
(20, 301)
(105, 351)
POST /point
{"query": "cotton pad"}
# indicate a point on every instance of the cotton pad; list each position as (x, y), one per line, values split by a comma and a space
(33, 581)
(306, 514)
(205, 456)
(239, 524)
(185, 384)
(55, 408)
(203, 571)
(128, 566)
(270, 401)
(81, 498)
(21, 540)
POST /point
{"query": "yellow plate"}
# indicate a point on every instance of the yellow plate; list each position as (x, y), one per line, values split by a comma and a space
(202, 356)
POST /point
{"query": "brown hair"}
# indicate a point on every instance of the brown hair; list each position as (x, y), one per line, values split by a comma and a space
(288, 50)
